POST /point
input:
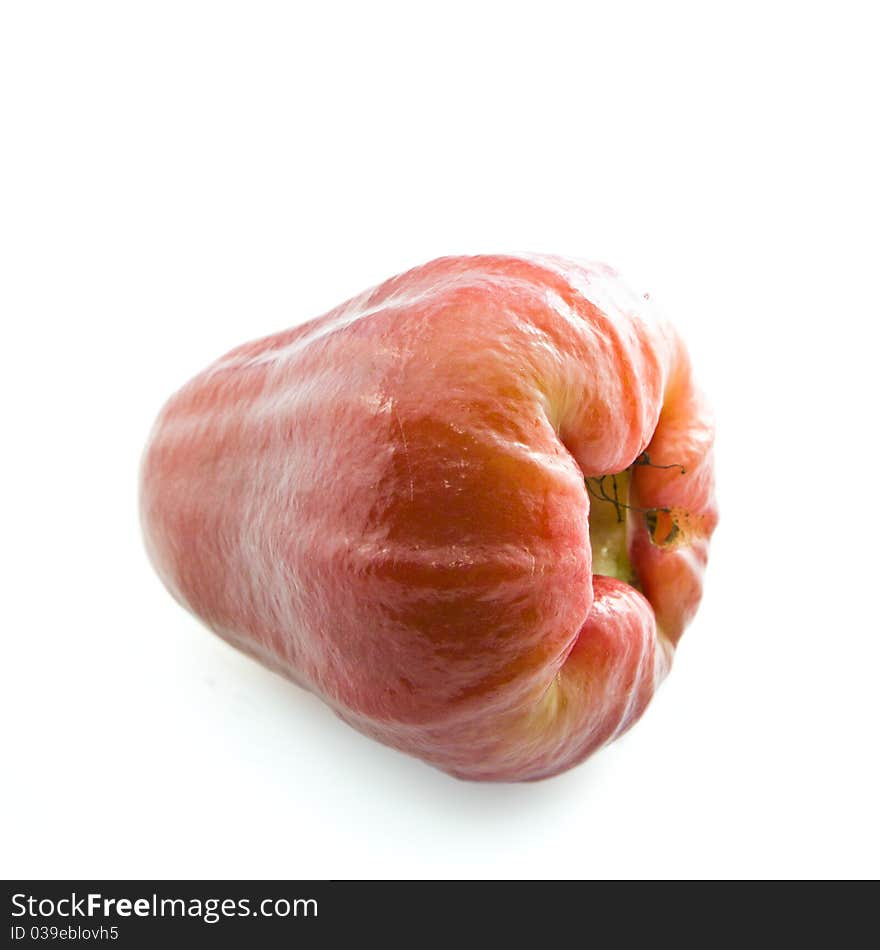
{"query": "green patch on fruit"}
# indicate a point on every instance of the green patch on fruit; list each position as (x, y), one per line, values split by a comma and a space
(608, 526)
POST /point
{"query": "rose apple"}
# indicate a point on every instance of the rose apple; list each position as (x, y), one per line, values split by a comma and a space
(470, 508)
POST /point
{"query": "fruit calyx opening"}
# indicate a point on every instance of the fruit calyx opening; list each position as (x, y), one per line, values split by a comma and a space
(609, 519)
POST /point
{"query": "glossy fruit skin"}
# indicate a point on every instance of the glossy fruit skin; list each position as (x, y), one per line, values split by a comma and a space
(387, 505)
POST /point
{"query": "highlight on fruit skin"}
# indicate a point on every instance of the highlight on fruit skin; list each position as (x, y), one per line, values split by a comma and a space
(470, 508)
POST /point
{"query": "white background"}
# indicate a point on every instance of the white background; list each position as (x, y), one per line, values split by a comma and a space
(180, 177)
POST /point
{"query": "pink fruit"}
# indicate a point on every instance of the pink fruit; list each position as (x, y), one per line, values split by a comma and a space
(470, 508)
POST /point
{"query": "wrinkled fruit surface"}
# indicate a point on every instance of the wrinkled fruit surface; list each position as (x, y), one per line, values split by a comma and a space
(469, 508)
